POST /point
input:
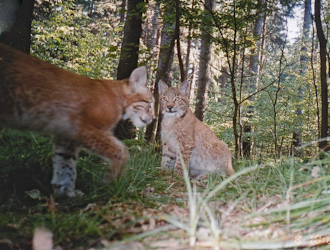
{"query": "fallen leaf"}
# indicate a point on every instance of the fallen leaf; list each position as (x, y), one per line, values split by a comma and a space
(34, 194)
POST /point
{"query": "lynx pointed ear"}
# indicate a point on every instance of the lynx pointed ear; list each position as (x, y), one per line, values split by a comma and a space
(162, 87)
(138, 78)
(185, 88)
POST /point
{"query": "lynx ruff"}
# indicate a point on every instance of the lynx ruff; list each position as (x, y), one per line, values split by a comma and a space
(181, 131)
(76, 110)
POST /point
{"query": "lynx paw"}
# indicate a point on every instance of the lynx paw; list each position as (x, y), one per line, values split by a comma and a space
(62, 191)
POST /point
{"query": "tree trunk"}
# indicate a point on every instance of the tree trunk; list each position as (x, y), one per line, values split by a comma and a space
(224, 77)
(254, 67)
(204, 68)
(324, 86)
(313, 47)
(129, 58)
(15, 23)
(189, 48)
(154, 40)
(303, 66)
(165, 61)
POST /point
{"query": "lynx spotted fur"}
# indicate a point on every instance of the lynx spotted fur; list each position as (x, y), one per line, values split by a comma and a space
(181, 131)
(76, 110)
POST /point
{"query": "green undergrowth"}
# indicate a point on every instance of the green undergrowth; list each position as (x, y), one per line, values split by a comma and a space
(281, 204)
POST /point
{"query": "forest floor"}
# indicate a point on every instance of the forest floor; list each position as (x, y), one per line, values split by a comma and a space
(281, 204)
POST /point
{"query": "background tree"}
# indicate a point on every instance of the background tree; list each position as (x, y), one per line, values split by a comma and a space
(303, 64)
(323, 74)
(254, 68)
(169, 34)
(233, 38)
(15, 23)
(129, 56)
(204, 61)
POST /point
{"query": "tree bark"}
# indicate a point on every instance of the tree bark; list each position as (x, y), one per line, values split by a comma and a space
(15, 23)
(324, 86)
(189, 40)
(303, 66)
(204, 68)
(129, 58)
(168, 37)
(154, 37)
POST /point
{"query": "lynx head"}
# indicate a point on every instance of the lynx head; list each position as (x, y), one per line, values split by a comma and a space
(139, 106)
(173, 101)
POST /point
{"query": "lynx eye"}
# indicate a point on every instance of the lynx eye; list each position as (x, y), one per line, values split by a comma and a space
(177, 99)
(164, 99)
(139, 107)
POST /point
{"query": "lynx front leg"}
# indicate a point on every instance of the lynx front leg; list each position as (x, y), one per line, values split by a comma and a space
(64, 167)
(168, 157)
(106, 145)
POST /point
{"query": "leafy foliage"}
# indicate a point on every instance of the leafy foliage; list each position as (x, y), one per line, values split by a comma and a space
(71, 38)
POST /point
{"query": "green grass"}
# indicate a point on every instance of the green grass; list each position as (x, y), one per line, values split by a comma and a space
(271, 205)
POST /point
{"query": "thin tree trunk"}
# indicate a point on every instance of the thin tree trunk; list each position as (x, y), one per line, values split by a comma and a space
(315, 86)
(324, 86)
(224, 77)
(15, 23)
(189, 41)
(303, 66)
(168, 37)
(153, 40)
(204, 68)
(245, 127)
(232, 69)
(129, 58)
(188, 69)
(276, 146)
(177, 21)
(254, 68)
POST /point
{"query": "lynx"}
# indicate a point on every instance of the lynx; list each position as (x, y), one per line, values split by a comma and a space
(76, 110)
(182, 132)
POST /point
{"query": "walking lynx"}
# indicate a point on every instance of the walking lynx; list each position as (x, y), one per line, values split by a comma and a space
(201, 150)
(74, 109)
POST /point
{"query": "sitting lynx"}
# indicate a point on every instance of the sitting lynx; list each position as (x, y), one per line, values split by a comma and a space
(181, 130)
(76, 110)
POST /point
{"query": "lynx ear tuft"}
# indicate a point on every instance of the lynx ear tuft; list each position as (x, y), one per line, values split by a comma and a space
(162, 87)
(185, 88)
(138, 78)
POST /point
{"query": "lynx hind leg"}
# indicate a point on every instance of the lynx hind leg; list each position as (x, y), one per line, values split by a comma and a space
(183, 157)
(105, 144)
(64, 167)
